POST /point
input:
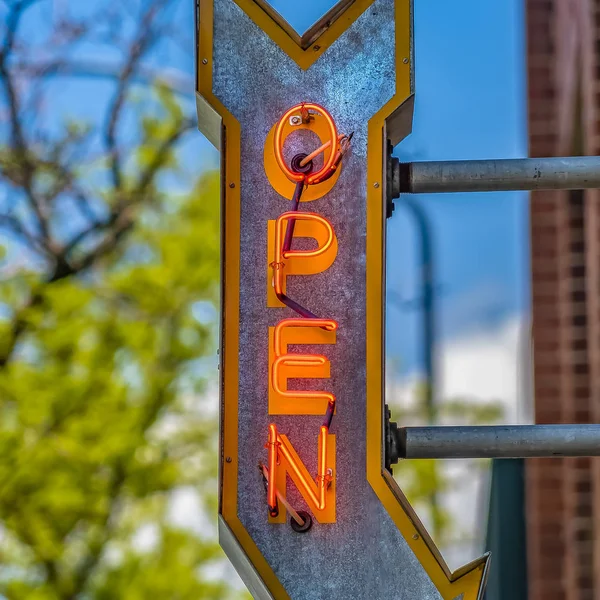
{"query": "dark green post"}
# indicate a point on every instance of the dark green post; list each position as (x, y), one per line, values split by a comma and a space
(506, 534)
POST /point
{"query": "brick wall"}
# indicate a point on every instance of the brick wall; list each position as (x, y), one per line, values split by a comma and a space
(563, 495)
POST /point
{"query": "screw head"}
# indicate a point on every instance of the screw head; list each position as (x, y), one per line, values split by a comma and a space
(416, 536)
(232, 185)
(228, 459)
(316, 47)
(205, 61)
(295, 120)
(376, 184)
(405, 60)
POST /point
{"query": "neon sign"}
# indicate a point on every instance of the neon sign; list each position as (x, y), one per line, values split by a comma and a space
(306, 328)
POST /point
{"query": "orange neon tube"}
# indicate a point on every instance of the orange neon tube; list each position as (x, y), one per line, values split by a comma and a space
(299, 360)
(322, 467)
(318, 498)
(280, 255)
(279, 140)
(271, 481)
(327, 324)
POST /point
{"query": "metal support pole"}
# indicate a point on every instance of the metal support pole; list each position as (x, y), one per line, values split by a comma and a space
(572, 173)
(504, 441)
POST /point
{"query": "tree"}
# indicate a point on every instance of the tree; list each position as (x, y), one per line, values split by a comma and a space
(107, 324)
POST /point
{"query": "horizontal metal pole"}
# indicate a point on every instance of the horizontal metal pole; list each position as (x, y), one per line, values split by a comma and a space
(504, 441)
(574, 173)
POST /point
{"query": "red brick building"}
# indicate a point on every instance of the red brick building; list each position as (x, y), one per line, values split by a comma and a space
(563, 495)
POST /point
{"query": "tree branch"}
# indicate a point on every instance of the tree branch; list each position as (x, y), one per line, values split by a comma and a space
(161, 155)
(17, 134)
(121, 219)
(19, 325)
(12, 223)
(141, 44)
(107, 525)
(178, 82)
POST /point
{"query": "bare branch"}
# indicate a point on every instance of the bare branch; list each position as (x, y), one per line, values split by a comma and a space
(121, 220)
(19, 229)
(12, 25)
(122, 223)
(176, 81)
(83, 204)
(161, 155)
(17, 133)
(139, 47)
(18, 327)
(95, 227)
(106, 529)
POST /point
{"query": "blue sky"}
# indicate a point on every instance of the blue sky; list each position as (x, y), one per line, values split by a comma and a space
(470, 103)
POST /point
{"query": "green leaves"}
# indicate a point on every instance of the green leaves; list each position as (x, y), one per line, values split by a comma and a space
(95, 431)
(163, 571)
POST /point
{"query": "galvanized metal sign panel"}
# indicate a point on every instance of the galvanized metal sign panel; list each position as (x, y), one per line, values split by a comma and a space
(285, 372)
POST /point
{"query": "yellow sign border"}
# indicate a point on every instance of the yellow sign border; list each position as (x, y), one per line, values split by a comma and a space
(331, 27)
(468, 581)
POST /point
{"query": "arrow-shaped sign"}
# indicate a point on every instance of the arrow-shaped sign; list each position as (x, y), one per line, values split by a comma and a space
(303, 324)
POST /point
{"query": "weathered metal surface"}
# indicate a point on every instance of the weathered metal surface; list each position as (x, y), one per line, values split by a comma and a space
(352, 80)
